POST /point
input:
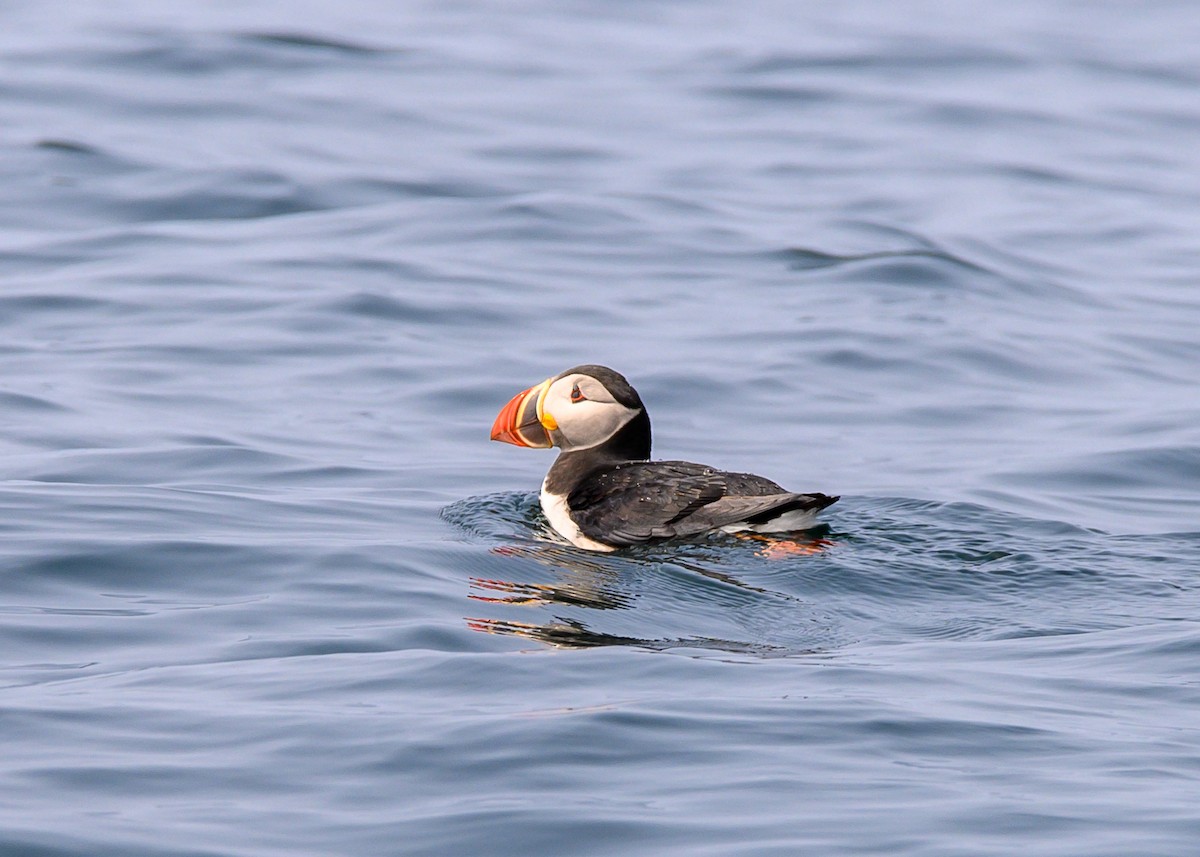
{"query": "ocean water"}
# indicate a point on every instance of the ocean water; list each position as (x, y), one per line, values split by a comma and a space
(268, 271)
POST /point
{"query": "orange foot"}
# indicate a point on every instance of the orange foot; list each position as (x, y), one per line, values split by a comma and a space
(780, 548)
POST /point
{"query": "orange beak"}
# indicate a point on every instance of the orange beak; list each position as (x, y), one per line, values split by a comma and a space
(522, 421)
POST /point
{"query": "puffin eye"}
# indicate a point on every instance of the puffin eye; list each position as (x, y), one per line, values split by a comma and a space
(577, 395)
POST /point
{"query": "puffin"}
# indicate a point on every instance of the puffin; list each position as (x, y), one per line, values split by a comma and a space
(604, 493)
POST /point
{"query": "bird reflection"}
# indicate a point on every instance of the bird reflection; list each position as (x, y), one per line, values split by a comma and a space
(568, 633)
(594, 582)
(583, 581)
(572, 634)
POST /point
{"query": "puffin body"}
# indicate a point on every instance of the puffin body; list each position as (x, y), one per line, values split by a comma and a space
(604, 493)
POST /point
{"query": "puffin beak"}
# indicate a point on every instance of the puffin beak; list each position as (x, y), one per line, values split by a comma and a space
(522, 421)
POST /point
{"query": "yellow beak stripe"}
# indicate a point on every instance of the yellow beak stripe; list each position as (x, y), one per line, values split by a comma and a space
(547, 420)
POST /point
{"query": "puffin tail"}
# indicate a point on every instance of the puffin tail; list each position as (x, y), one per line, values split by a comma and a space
(800, 503)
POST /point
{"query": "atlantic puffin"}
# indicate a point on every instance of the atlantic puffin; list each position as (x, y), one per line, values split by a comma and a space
(603, 492)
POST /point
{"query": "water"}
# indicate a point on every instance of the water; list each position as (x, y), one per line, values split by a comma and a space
(269, 271)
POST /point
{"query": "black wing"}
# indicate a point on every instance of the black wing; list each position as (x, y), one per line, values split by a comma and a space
(638, 501)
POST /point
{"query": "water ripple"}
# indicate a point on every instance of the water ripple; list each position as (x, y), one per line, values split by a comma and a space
(902, 568)
(269, 272)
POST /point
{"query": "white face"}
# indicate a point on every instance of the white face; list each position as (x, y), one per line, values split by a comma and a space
(586, 413)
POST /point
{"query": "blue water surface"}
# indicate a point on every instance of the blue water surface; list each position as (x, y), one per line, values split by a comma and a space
(268, 271)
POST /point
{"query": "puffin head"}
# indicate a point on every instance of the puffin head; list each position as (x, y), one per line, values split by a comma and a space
(584, 407)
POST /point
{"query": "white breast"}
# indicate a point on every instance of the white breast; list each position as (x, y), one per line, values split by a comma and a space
(555, 508)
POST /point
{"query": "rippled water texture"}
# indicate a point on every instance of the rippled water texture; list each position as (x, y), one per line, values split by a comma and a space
(268, 271)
